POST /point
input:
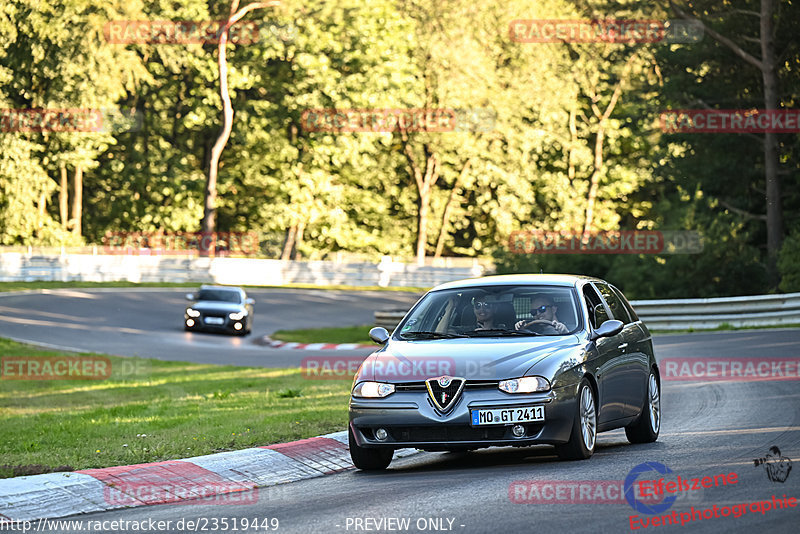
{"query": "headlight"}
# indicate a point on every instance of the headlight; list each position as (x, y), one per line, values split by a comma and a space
(373, 390)
(237, 316)
(192, 313)
(526, 384)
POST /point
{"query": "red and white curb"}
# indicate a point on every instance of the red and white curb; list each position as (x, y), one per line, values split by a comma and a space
(269, 342)
(224, 478)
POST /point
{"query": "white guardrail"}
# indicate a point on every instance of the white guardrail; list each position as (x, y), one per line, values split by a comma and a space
(23, 267)
(696, 314)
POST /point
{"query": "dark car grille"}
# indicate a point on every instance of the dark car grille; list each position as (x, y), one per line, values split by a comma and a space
(471, 384)
(444, 397)
(445, 433)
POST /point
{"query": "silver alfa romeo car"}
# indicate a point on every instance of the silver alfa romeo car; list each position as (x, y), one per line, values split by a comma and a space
(512, 360)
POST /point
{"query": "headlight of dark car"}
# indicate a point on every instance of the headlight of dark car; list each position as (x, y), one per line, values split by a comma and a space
(373, 390)
(238, 316)
(192, 313)
(526, 384)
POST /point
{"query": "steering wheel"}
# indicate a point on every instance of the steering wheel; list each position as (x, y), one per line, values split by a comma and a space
(542, 328)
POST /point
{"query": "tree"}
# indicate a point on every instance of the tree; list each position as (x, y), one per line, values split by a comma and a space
(767, 66)
(236, 14)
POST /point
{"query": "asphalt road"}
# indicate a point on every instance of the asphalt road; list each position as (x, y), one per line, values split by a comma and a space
(148, 322)
(708, 429)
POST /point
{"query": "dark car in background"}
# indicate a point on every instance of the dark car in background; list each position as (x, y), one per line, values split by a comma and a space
(219, 309)
(512, 360)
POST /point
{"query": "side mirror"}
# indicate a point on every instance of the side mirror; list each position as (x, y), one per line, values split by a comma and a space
(612, 327)
(189, 296)
(249, 301)
(379, 335)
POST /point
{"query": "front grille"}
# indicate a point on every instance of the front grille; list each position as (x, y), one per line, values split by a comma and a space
(471, 384)
(446, 433)
(444, 397)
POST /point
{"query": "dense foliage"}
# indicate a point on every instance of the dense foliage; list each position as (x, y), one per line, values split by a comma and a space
(575, 143)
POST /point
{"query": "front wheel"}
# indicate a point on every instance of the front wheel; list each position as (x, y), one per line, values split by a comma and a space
(584, 427)
(646, 428)
(368, 459)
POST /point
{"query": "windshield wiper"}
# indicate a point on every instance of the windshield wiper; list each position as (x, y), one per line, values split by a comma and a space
(421, 334)
(504, 331)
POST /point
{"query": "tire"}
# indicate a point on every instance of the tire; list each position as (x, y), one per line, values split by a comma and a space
(368, 459)
(583, 438)
(646, 428)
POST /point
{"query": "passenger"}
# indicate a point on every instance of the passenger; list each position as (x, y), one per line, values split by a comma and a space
(543, 310)
(485, 309)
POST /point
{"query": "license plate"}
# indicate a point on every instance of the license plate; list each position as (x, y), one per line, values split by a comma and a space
(215, 320)
(503, 416)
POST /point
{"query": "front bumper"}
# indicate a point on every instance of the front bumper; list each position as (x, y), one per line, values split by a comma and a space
(200, 323)
(411, 420)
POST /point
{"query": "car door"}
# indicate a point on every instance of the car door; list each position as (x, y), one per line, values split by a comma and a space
(605, 364)
(633, 362)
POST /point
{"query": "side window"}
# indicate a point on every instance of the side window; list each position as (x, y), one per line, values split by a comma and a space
(627, 304)
(597, 312)
(614, 303)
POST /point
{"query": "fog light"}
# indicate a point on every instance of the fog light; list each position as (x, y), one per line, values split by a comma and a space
(381, 434)
(518, 431)
(189, 322)
(237, 326)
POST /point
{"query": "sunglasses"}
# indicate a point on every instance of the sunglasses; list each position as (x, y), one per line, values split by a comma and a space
(540, 309)
(479, 305)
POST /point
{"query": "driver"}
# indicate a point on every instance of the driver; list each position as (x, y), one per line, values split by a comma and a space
(543, 310)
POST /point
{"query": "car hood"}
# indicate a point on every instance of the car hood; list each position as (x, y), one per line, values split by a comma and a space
(217, 306)
(474, 359)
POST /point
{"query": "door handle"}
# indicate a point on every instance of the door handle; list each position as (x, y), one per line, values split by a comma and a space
(623, 346)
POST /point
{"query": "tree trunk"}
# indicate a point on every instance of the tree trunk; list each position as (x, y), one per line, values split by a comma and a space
(595, 181)
(424, 183)
(573, 139)
(422, 225)
(63, 198)
(770, 77)
(77, 201)
(767, 66)
(448, 207)
(288, 246)
(209, 205)
(298, 239)
(42, 209)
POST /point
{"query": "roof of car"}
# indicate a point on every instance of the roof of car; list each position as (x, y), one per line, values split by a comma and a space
(520, 279)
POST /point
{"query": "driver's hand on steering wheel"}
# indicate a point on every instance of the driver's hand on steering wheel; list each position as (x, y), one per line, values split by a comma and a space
(521, 325)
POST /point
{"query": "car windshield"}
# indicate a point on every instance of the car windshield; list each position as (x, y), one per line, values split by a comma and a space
(493, 311)
(220, 295)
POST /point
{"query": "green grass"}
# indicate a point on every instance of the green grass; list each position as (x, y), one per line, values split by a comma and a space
(20, 286)
(152, 410)
(724, 327)
(346, 334)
